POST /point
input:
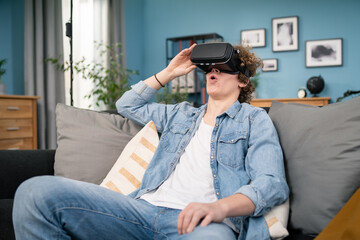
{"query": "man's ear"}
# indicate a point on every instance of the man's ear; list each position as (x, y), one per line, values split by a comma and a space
(243, 84)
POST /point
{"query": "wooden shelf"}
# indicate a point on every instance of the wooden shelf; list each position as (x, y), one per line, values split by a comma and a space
(201, 37)
(316, 101)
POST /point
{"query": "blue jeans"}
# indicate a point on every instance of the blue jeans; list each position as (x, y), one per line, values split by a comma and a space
(51, 207)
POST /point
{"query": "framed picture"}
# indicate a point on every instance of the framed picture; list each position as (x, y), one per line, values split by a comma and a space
(253, 37)
(324, 53)
(270, 65)
(285, 34)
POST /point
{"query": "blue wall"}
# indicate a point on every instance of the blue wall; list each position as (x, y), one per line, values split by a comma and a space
(150, 22)
(134, 28)
(12, 44)
(321, 19)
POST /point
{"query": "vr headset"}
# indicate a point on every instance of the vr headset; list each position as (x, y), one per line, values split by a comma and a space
(221, 56)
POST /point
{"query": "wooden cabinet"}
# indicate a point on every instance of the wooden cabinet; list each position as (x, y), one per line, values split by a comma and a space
(18, 122)
(316, 101)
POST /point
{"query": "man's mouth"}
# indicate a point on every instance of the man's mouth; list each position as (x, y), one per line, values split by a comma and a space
(212, 77)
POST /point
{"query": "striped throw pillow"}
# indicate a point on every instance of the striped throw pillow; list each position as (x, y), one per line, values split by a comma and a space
(276, 220)
(127, 173)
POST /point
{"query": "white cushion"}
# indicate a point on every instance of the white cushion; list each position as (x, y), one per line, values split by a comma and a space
(127, 173)
(276, 220)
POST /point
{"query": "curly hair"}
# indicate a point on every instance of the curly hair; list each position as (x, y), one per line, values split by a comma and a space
(252, 62)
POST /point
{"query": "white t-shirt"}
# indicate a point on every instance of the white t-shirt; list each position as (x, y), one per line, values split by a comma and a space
(191, 181)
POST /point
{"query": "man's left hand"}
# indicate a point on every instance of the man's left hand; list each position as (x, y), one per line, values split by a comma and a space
(232, 206)
(190, 216)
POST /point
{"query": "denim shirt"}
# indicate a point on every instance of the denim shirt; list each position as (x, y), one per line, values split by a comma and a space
(245, 156)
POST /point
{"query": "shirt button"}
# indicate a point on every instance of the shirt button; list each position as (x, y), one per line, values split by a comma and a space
(212, 157)
(212, 140)
(217, 124)
(218, 193)
(214, 175)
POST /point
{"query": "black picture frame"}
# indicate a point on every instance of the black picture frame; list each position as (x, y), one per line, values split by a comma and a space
(253, 37)
(285, 34)
(270, 65)
(324, 53)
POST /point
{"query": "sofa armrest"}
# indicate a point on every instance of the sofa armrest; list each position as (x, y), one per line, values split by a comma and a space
(17, 166)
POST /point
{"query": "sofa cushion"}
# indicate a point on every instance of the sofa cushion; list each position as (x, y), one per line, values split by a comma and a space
(128, 171)
(6, 225)
(89, 142)
(322, 157)
(277, 219)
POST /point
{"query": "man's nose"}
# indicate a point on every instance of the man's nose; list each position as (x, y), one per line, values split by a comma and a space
(215, 70)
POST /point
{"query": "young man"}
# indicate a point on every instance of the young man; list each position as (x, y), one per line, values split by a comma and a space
(216, 171)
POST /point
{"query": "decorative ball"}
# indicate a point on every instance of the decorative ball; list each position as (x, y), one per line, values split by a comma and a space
(315, 84)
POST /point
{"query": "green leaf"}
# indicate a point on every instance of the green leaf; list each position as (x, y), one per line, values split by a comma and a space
(110, 82)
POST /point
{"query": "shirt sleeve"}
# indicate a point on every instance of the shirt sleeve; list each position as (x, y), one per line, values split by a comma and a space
(264, 164)
(135, 104)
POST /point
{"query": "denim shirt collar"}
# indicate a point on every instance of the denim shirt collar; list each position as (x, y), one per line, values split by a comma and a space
(200, 109)
(231, 111)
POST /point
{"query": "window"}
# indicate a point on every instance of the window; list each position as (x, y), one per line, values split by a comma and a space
(89, 25)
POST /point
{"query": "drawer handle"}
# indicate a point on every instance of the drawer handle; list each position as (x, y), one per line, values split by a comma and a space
(13, 108)
(14, 148)
(13, 129)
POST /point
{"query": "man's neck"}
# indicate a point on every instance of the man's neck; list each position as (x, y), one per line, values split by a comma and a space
(215, 108)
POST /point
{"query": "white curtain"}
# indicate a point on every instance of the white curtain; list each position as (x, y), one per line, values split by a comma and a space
(43, 39)
(93, 20)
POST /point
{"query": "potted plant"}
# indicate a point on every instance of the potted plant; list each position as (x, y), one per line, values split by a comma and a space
(347, 94)
(166, 96)
(110, 82)
(2, 72)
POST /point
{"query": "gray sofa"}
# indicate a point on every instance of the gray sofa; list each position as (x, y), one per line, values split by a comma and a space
(321, 151)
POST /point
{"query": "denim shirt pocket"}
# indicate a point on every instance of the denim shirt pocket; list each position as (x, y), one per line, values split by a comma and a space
(172, 138)
(231, 148)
